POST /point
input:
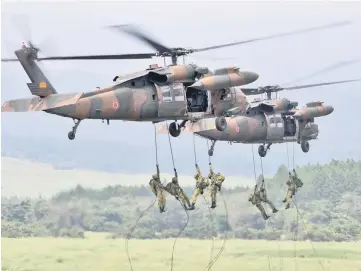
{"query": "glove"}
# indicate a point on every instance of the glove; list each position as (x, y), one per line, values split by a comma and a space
(294, 170)
(196, 165)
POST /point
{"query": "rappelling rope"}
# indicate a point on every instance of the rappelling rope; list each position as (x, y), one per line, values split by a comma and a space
(212, 262)
(306, 230)
(255, 178)
(205, 200)
(180, 232)
(297, 215)
(176, 175)
(295, 238)
(132, 230)
(209, 266)
(211, 217)
(150, 206)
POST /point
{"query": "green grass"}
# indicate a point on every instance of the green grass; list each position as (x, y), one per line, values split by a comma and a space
(97, 253)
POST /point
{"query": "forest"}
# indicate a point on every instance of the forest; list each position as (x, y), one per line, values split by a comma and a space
(328, 204)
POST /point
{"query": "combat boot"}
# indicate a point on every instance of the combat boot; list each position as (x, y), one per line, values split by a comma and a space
(192, 207)
(213, 205)
(287, 206)
(265, 217)
(284, 201)
(275, 210)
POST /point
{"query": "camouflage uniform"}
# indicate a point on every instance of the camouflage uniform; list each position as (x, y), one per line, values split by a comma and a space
(174, 189)
(293, 183)
(216, 183)
(255, 199)
(264, 198)
(201, 184)
(158, 190)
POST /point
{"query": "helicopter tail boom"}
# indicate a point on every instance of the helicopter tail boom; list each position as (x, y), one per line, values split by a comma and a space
(40, 104)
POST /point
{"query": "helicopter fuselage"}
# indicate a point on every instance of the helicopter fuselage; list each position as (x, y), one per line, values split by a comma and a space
(142, 101)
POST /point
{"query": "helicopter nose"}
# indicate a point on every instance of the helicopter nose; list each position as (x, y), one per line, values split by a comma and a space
(250, 77)
(329, 109)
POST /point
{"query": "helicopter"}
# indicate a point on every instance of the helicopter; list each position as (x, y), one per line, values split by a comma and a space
(269, 121)
(263, 125)
(176, 92)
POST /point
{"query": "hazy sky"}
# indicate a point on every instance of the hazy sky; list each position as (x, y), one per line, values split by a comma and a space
(78, 28)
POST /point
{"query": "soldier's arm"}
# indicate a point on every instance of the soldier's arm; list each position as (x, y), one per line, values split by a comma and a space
(198, 169)
(295, 173)
(158, 172)
(211, 169)
(167, 187)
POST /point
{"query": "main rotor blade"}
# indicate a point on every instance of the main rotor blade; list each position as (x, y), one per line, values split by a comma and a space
(326, 69)
(90, 57)
(133, 31)
(337, 24)
(320, 84)
(9, 59)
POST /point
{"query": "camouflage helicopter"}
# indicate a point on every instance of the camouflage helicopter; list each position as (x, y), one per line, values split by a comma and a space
(267, 121)
(175, 92)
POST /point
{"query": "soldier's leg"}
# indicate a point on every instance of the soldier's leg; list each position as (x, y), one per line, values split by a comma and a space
(161, 200)
(288, 190)
(288, 199)
(262, 210)
(195, 197)
(213, 196)
(185, 197)
(274, 210)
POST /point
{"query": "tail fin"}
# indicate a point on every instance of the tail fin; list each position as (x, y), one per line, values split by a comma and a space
(40, 85)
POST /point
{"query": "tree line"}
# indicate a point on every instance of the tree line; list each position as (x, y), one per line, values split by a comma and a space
(328, 203)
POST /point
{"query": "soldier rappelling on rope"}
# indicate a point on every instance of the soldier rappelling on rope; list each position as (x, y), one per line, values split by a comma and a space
(216, 184)
(174, 189)
(293, 184)
(158, 190)
(201, 184)
(260, 195)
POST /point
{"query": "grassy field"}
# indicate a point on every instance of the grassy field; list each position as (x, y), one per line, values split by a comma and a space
(97, 253)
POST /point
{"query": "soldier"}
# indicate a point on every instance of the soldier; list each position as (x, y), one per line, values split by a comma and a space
(255, 199)
(264, 198)
(293, 184)
(216, 183)
(201, 184)
(158, 190)
(174, 189)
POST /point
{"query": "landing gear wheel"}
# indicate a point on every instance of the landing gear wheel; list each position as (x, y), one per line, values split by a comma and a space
(305, 146)
(221, 123)
(210, 151)
(71, 135)
(174, 130)
(261, 151)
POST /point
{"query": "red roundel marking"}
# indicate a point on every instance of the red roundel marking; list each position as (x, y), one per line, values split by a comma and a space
(237, 129)
(115, 105)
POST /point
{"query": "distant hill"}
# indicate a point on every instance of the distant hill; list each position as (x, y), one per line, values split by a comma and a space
(27, 178)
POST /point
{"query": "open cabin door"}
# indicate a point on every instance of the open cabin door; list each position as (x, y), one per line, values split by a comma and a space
(171, 100)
